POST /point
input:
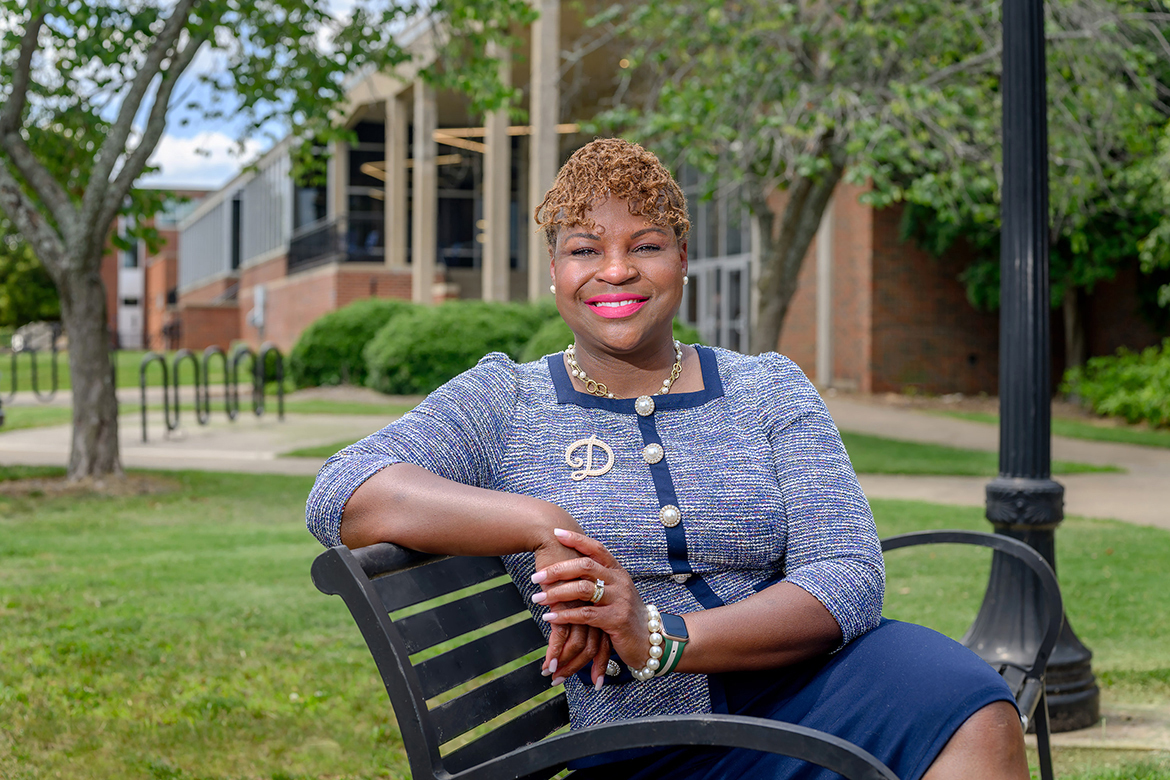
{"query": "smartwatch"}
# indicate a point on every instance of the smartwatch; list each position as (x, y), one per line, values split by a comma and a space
(675, 638)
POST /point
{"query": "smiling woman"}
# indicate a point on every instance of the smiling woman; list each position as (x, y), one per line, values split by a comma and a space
(684, 520)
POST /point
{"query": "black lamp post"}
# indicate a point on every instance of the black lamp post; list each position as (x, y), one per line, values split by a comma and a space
(1023, 501)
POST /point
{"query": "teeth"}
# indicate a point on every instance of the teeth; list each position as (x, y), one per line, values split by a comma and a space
(615, 304)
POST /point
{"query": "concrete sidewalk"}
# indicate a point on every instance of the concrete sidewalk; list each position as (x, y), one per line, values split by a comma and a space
(1139, 495)
(249, 445)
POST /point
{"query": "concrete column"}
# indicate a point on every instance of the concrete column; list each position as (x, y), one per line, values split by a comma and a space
(395, 204)
(425, 203)
(497, 192)
(337, 174)
(825, 298)
(544, 108)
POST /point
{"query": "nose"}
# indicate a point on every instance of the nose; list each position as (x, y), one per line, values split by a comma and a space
(617, 267)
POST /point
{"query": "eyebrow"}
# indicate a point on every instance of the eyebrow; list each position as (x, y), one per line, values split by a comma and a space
(639, 234)
(644, 231)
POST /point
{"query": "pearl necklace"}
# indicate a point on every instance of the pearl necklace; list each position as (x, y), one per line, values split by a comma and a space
(599, 389)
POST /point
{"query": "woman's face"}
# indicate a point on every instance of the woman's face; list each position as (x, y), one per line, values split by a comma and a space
(619, 284)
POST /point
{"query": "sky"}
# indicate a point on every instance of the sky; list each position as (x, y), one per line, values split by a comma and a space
(202, 154)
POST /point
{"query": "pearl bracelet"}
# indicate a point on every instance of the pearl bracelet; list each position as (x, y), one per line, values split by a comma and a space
(654, 626)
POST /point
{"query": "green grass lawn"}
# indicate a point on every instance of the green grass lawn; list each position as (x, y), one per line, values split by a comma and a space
(17, 417)
(877, 455)
(1078, 429)
(177, 635)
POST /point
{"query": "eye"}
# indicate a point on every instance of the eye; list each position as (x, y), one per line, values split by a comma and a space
(584, 251)
(647, 248)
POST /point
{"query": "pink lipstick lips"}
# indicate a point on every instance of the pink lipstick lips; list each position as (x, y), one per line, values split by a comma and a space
(613, 306)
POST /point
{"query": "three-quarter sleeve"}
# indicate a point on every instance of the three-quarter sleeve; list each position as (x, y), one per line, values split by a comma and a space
(832, 551)
(458, 432)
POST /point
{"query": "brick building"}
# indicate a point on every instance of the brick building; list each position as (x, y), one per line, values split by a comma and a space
(427, 204)
(875, 314)
(140, 286)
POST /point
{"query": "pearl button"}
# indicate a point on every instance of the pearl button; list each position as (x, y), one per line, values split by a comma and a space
(652, 453)
(680, 578)
(644, 405)
(670, 516)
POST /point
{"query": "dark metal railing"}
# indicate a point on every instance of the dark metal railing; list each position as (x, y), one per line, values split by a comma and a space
(346, 238)
(202, 386)
(34, 378)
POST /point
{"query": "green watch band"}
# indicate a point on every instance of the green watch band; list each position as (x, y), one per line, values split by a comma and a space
(675, 638)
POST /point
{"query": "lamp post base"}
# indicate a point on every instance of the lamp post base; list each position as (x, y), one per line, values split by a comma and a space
(1074, 700)
(1007, 627)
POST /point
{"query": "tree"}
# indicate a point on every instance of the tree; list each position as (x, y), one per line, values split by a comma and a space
(902, 94)
(26, 291)
(87, 89)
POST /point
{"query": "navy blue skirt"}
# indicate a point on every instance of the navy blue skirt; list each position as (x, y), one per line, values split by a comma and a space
(900, 691)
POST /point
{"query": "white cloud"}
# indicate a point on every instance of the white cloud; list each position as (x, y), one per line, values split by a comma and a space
(205, 160)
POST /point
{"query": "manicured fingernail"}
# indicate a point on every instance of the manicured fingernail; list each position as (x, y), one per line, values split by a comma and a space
(552, 666)
(549, 617)
(539, 577)
(600, 682)
(545, 672)
(561, 532)
(558, 680)
(539, 598)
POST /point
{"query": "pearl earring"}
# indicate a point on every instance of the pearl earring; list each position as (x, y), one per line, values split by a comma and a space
(686, 279)
(552, 288)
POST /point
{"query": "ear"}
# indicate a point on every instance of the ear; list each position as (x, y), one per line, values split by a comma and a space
(682, 253)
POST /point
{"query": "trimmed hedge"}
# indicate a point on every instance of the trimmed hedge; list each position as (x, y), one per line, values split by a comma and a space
(419, 350)
(1133, 385)
(329, 351)
(554, 335)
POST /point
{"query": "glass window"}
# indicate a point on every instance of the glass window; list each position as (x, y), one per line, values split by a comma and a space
(130, 256)
(308, 206)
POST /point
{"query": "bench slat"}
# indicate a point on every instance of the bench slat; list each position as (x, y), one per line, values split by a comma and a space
(532, 726)
(446, 621)
(493, 698)
(457, 666)
(405, 588)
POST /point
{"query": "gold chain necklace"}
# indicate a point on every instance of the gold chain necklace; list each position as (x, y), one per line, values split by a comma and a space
(599, 389)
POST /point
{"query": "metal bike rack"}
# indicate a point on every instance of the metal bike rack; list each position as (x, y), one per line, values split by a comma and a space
(202, 386)
(33, 375)
(176, 364)
(231, 396)
(266, 349)
(238, 354)
(147, 359)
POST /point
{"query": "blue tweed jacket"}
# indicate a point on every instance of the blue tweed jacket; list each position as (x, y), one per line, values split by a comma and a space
(753, 463)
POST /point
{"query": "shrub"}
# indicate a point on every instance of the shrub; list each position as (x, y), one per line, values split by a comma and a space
(1133, 385)
(554, 335)
(329, 351)
(425, 347)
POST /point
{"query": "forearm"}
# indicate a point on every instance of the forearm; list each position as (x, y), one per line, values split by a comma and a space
(412, 507)
(779, 626)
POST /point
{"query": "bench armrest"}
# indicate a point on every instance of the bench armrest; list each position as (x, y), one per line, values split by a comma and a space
(735, 731)
(1009, 546)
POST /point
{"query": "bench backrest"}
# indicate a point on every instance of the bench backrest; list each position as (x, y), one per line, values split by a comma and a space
(450, 637)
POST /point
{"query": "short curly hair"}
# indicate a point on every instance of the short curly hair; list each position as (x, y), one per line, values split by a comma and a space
(612, 167)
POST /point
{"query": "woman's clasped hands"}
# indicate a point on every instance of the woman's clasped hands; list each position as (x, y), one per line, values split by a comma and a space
(568, 588)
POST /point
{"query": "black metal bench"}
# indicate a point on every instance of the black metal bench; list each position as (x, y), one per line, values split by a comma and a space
(450, 634)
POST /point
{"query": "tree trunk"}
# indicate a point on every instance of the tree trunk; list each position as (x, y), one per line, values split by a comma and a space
(782, 251)
(94, 451)
(1075, 349)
